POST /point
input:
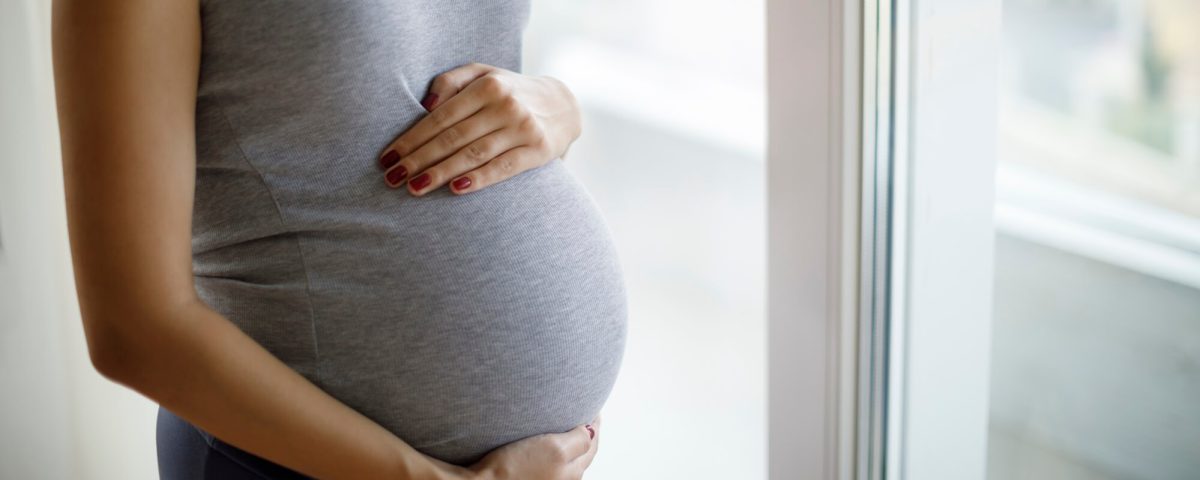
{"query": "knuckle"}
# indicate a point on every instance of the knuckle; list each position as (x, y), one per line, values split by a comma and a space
(439, 118)
(561, 452)
(476, 152)
(505, 166)
(511, 107)
(493, 85)
(440, 82)
(529, 126)
(401, 147)
(450, 137)
(540, 144)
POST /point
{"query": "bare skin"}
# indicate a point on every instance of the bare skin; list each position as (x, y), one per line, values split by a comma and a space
(126, 78)
(485, 125)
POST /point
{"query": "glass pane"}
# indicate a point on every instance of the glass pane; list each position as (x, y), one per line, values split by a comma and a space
(672, 151)
(1096, 334)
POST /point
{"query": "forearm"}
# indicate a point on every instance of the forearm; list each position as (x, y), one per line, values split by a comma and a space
(203, 368)
(125, 75)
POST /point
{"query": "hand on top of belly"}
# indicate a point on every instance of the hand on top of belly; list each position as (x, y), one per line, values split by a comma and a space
(551, 456)
(485, 124)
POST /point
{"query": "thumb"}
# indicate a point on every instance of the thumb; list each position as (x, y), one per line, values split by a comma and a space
(451, 82)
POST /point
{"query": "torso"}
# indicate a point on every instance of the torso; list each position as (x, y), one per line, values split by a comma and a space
(460, 323)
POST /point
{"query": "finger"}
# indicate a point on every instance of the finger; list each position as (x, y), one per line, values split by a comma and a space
(454, 110)
(451, 82)
(470, 157)
(504, 166)
(444, 145)
(581, 463)
(575, 443)
(594, 428)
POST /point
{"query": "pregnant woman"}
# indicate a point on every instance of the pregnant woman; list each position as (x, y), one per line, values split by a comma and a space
(311, 271)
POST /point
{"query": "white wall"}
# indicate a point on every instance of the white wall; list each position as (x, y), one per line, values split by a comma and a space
(59, 418)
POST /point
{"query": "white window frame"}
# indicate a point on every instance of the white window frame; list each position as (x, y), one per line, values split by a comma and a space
(880, 236)
(813, 157)
(947, 60)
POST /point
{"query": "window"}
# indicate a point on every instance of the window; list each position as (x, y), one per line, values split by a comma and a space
(672, 151)
(1096, 325)
(1047, 169)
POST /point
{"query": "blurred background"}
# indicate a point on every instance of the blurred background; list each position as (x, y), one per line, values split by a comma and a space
(673, 152)
(1096, 327)
(1096, 334)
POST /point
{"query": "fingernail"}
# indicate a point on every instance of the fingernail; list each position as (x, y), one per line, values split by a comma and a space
(461, 183)
(394, 177)
(390, 158)
(591, 431)
(430, 99)
(420, 182)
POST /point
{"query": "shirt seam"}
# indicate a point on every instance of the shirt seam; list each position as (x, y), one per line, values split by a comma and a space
(312, 321)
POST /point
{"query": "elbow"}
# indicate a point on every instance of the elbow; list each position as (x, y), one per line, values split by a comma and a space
(132, 347)
(110, 352)
(118, 342)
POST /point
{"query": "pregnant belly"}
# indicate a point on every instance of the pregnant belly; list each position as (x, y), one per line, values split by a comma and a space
(462, 323)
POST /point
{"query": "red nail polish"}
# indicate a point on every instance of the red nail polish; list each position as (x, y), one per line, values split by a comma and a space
(397, 175)
(390, 158)
(591, 432)
(461, 183)
(430, 99)
(420, 182)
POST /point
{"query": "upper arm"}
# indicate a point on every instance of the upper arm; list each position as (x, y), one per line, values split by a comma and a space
(125, 76)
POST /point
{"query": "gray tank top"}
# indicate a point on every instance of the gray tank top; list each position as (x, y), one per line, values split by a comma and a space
(460, 323)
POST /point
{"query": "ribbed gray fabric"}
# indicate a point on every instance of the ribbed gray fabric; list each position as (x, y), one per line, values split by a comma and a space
(460, 323)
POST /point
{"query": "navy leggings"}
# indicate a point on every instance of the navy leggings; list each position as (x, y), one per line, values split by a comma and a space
(185, 452)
